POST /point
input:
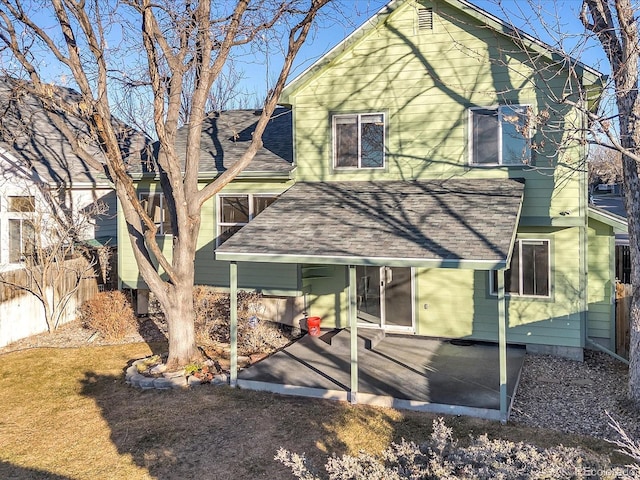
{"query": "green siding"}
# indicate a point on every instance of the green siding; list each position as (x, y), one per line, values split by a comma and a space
(459, 304)
(327, 294)
(270, 278)
(601, 272)
(425, 83)
(455, 303)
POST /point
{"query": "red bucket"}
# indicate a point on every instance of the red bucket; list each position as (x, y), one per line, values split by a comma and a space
(313, 326)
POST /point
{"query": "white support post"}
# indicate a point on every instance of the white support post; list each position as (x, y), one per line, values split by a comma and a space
(233, 312)
(353, 326)
(502, 346)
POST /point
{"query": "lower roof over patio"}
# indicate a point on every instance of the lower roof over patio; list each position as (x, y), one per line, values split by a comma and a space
(456, 223)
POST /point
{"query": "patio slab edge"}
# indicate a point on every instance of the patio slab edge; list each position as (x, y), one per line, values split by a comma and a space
(374, 400)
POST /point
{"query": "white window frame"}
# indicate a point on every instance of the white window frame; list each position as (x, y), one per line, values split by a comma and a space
(358, 116)
(526, 160)
(250, 199)
(159, 225)
(22, 240)
(517, 250)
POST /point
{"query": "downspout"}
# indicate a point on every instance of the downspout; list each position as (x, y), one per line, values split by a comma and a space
(607, 351)
(583, 240)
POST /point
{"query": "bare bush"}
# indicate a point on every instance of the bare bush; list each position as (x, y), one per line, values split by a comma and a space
(255, 335)
(111, 314)
(442, 458)
(626, 444)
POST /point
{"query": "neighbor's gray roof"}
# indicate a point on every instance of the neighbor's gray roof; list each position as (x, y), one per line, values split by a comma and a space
(226, 136)
(40, 148)
(430, 223)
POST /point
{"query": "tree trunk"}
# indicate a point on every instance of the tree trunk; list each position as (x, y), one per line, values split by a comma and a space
(632, 205)
(629, 111)
(617, 31)
(180, 316)
(178, 301)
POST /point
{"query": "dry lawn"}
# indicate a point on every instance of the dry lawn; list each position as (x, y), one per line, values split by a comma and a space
(67, 414)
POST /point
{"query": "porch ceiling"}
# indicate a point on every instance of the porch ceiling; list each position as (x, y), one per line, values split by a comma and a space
(455, 223)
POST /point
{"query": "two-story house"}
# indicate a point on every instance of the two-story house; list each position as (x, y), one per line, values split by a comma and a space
(437, 189)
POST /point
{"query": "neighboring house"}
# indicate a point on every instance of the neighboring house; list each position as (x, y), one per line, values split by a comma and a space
(40, 176)
(612, 206)
(35, 156)
(423, 192)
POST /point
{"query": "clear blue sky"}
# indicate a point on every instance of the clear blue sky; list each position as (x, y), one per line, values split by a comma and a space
(344, 16)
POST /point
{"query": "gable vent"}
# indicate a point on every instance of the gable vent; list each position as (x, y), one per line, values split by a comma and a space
(425, 19)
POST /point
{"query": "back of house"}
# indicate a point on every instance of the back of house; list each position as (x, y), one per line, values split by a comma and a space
(436, 156)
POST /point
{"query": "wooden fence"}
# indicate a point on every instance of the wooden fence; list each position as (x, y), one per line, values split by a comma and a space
(623, 315)
(623, 263)
(22, 314)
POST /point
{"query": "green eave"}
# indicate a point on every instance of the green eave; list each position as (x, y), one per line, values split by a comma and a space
(100, 242)
(210, 176)
(618, 223)
(369, 261)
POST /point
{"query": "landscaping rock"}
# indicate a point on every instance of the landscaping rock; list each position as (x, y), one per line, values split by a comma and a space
(135, 379)
(193, 381)
(220, 379)
(177, 382)
(575, 397)
(146, 383)
(158, 369)
(162, 383)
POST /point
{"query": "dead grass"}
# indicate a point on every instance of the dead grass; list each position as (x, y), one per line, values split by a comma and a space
(66, 413)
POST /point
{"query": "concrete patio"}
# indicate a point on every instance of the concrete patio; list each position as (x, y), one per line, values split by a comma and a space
(409, 372)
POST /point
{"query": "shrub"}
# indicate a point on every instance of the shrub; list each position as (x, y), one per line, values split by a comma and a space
(442, 458)
(110, 313)
(213, 315)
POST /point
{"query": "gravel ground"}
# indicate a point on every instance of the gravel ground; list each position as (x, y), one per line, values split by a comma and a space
(574, 397)
(556, 393)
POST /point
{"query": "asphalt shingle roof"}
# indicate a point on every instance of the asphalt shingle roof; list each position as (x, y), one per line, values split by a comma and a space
(448, 221)
(42, 150)
(226, 136)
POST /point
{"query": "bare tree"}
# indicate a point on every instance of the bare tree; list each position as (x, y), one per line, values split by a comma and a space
(615, 24)
(223, 95)
(612, 25)
(180, 44)
(605, 167)
(46, 239)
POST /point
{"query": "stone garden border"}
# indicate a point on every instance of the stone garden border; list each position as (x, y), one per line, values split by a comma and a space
(167, 380)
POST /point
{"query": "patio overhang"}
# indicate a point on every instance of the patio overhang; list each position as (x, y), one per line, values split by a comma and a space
(447, 224)
(452, 223)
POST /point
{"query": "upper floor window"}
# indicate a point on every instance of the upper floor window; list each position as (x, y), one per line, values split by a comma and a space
(235, 211)
(22, 204)
(500, 135)
(358, 140)
(529, 272)
(156, 206)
